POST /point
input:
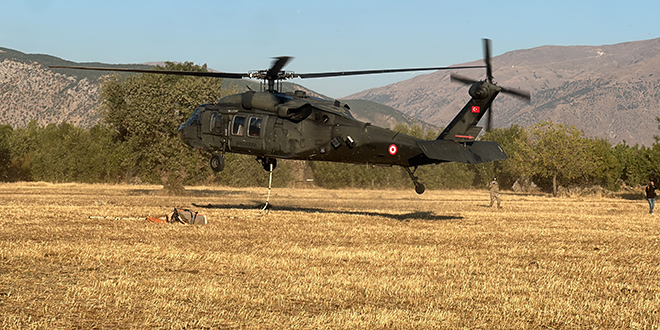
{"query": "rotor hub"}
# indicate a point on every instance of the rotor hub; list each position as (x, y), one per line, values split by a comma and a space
(480, 90)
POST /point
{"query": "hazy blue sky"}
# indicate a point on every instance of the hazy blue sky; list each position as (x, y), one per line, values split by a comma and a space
(237, 36)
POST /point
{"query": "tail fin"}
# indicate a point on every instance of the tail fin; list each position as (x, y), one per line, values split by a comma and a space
(463, 128)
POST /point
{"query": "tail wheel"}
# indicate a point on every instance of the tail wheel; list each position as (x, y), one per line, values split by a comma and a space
(419, 188)
(217, 163)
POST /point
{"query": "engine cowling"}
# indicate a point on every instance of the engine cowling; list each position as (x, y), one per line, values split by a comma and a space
(295, 110)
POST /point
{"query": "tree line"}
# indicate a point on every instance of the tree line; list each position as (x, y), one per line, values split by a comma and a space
(548, 154)
(136, 142)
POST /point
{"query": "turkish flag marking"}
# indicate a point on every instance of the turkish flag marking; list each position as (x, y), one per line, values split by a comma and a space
(476, 109)
(392, 149)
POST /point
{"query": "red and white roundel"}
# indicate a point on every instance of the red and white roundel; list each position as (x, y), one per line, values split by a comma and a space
(392, 149)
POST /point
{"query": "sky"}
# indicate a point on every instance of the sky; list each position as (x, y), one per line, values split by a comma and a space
(340, 35)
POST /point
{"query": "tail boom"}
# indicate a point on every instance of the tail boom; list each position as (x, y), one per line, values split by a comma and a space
(475, 152)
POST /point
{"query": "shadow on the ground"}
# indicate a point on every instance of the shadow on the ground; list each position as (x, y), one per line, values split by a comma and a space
(632, 196)
(419, 215)
(187, 192)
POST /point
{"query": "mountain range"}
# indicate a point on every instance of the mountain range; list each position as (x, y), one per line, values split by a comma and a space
(609, 91)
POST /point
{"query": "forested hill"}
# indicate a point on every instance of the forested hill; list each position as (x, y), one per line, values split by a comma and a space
(610, 91)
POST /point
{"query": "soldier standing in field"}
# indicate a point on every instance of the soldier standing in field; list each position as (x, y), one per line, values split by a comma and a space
(494, 192)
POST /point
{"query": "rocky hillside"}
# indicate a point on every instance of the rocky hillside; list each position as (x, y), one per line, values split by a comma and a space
(610, 91)
(30, 92)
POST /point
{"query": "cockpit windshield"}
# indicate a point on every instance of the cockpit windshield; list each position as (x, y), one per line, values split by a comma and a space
(194, 119)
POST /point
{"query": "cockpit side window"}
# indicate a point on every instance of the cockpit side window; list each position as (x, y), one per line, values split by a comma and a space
(217, 124)
(238, 127)
(254, 129)
(212, 121)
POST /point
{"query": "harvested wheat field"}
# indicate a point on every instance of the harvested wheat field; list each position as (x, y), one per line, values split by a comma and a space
(333, 259)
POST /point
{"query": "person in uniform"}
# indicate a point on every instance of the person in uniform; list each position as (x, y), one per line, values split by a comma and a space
(494, 193)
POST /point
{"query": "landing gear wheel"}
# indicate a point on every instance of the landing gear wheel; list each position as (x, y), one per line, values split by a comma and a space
(419, 188)
(266, 162)
(217, 163)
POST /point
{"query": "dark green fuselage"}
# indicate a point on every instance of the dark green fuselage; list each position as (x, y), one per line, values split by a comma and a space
(267, 126)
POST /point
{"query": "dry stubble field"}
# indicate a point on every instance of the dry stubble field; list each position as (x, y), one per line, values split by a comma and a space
(324, 259)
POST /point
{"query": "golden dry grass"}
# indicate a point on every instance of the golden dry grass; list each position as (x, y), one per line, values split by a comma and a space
(324, 259)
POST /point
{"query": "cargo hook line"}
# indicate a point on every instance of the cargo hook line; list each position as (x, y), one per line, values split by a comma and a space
(270, 184)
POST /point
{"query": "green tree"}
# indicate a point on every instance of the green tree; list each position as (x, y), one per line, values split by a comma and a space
(145, 110)
(558, 153)
(103, 159)
(516, 145)
(634, 167)
(652, 156)
(23, 142)
(64, 153)
(6, 135)
(603, 167)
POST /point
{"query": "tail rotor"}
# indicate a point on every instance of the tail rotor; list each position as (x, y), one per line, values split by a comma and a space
(480, 85)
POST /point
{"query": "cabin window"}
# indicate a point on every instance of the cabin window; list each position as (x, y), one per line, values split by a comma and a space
(254, 130)
(238, 127)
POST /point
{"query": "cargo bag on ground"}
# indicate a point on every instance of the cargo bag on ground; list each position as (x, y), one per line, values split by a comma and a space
(186, 216)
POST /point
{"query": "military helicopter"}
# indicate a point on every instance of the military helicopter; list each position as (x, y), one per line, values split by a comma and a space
(272, 125)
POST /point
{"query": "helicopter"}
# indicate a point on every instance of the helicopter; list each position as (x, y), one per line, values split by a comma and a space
(273, 125)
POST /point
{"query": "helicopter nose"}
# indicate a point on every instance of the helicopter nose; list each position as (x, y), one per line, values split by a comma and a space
(182, 135)
(188, 135)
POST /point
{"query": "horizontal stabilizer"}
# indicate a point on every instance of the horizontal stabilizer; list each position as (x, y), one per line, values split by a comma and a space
(476, 152)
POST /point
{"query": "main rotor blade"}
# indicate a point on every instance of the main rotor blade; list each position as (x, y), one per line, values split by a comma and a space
(272, 72)
(489, 123)
(367, 72)
(525, 95)
(463, 79)
(172, 72)
(489, 68)
(277, 66)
